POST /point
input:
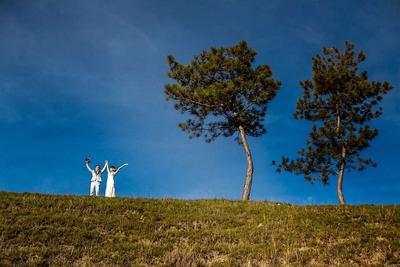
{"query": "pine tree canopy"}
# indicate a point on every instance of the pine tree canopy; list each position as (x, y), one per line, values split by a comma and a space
(221, 90)
(340, 101)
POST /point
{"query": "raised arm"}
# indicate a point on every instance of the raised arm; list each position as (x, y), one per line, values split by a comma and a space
(87, 166)
(108, 170)
(126, 164)
(105, 166)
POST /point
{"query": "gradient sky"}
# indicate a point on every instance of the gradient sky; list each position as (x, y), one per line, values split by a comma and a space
(82, 78)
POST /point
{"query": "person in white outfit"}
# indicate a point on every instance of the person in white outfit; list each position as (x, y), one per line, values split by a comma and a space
(96, 177)
(112, 172)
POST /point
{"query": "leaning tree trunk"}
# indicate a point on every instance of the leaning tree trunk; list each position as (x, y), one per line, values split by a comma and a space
(340, 177)
(250, 168)
(342, 161)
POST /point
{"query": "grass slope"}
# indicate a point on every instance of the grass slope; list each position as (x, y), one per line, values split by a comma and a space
(70, 230)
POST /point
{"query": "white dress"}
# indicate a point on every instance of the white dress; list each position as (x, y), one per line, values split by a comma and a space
(110, 188)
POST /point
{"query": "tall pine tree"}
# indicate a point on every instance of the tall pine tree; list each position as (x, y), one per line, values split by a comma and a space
(224, 96)
(340, 101)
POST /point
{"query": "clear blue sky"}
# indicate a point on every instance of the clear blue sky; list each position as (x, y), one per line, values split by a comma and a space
(82, 78)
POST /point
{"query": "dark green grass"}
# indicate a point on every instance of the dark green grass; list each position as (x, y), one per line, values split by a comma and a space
(70, 230)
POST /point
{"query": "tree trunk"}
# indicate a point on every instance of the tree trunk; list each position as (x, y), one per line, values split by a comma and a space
(250, 169)
(342, 161)
(340, 177)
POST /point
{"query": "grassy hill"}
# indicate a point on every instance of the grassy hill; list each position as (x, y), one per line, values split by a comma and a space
(70, 230)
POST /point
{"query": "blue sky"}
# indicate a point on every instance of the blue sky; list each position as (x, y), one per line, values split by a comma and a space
(82, 78)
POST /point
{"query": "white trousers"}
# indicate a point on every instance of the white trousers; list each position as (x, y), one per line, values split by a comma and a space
(94, 188)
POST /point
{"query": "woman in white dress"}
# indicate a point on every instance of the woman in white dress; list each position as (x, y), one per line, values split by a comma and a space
(112, 172)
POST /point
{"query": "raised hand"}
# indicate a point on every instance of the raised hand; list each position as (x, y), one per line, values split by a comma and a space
(123, 165)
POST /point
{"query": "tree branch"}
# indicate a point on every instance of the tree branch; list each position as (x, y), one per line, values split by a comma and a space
(197, 102)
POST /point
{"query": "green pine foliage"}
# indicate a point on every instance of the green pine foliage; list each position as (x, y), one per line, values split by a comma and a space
(340, 101)
(223, 95)
(221, 91)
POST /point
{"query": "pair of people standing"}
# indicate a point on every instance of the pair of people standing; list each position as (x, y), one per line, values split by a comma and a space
(96, 178)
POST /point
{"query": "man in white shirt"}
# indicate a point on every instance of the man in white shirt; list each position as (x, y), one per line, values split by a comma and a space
(96, 177)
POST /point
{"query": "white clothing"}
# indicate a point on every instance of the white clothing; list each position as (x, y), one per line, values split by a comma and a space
(95, 180)
(96, 177)
(110, 187)
(94, 188)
